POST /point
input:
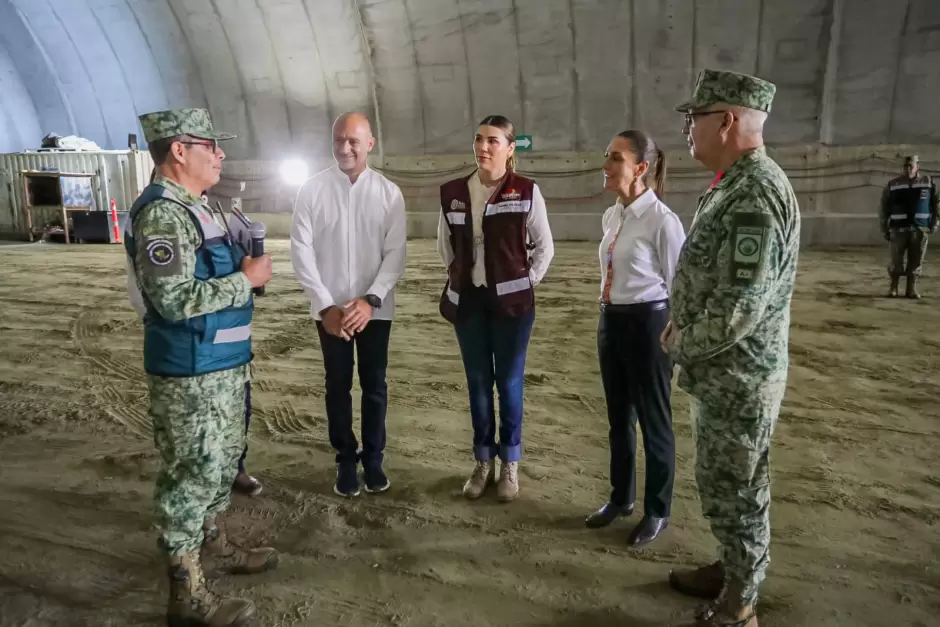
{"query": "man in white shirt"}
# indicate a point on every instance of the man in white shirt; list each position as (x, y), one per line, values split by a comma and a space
(348, 251)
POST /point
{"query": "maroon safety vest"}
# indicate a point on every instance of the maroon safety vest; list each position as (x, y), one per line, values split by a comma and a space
(505, 237)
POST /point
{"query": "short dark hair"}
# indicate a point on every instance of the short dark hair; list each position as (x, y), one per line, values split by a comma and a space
(160, 149)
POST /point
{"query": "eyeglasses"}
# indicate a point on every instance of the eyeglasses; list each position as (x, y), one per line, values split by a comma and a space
(690, 117)
(213, 144)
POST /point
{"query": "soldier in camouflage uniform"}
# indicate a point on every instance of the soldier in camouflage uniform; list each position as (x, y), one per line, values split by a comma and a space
(910, 210)
(729, 332)
(196, 287)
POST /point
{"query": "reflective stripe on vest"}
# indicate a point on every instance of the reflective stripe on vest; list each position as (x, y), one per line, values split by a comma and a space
(921, 215)
(510, 287)
(235, 334)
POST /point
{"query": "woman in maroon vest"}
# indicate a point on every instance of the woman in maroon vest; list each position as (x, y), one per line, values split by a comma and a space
(638, 255)
(487, 221)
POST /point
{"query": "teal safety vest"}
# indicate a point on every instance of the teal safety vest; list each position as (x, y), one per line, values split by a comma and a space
(208, 343)
(909, 203)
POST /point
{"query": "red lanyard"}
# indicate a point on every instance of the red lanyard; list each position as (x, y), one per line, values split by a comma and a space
(609, 277)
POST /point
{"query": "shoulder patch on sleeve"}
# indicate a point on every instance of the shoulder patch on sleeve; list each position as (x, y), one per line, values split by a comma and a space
(749, 234)
(162, 255)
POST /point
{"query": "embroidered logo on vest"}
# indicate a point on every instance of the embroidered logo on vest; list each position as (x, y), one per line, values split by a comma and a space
(456, 204)
(511, 194)
(160, 252)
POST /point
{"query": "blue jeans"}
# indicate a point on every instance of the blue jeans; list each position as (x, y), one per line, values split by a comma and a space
(493, 347)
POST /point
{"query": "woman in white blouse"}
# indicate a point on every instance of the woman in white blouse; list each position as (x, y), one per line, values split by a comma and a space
(487, 221)
(638, 255)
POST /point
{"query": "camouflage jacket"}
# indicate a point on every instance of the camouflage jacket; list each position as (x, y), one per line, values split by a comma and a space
(173, 290)
(734, 281)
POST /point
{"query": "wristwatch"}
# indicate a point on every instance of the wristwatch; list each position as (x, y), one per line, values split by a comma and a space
(373, 300)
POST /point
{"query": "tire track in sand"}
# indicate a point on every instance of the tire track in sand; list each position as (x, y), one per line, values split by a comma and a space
(87, 336)
(363, 612)
(282, 421)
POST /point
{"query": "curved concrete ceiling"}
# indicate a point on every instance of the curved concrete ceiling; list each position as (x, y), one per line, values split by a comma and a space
(568, 72)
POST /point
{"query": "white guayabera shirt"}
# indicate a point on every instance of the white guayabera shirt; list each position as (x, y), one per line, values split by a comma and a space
(349, 239)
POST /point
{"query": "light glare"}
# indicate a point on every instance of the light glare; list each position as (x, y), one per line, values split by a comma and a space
(294, 171)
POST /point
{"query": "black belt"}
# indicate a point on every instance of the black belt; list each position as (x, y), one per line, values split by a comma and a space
(636, 308)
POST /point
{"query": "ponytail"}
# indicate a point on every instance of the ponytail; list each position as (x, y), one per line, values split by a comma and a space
(511, 162)
(659, 179)
(644, 149)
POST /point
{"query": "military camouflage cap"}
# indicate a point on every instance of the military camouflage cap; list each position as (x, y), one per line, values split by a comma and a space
(175, 122)
(912, 159)
(720, 87)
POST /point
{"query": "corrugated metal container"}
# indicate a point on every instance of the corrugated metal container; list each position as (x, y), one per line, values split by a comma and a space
(121, 175)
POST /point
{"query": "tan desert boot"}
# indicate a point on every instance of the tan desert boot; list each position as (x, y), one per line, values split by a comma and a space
(221, 556)
(728, 612)
(508, 487)
(706, 582)
(717, 617)
(192, 604)
(484, 475)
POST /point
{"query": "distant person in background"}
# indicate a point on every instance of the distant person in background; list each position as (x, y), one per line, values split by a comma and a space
(638, 254)
(348, 248)
(910, 209)
(487, 221)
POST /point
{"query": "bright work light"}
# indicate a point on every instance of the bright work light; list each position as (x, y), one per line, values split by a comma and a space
(294, 171)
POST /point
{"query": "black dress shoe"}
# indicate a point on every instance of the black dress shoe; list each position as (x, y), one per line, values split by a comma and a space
(647, 531)
(608, 514)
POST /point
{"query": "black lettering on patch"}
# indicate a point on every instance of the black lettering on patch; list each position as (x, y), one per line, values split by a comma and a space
(162, 254)
(749, 234)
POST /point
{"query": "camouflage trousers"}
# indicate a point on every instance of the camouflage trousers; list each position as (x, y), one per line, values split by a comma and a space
(908, 249)
(199, 431)
(732, 470)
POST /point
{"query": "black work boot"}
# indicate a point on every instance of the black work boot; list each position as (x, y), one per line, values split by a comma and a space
(911, 291)
(705, 582)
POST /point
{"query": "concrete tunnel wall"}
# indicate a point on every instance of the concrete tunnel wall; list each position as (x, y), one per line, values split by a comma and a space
(838, 189)
(850, 73)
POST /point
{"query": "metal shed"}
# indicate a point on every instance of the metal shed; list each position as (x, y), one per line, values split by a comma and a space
(120, 175)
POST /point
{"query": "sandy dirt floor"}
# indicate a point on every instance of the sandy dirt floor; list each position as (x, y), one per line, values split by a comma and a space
(856, 478)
